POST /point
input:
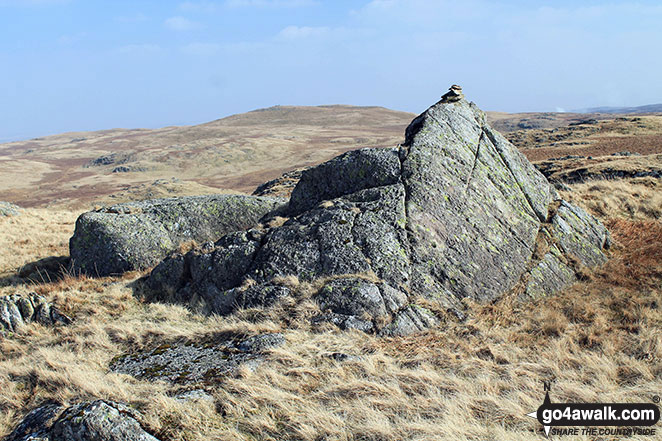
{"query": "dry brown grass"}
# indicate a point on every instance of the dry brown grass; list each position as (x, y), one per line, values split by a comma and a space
(599, 340)
(636, 199)
(34, 234)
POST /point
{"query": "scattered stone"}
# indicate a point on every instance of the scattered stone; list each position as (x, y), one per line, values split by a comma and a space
(589, 121)
(260, 343)
(17, 311)
(455, 212)
(608, 171)
(194, 395)
(563, 158)
(625, 153)
(197, 362)
(98, 420)
(126, 169)
(138, 235)
(561, 186)
(9, 209)
(342, 358)
(111, 159)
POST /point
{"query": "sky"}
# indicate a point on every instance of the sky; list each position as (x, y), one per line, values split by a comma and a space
(73, 65)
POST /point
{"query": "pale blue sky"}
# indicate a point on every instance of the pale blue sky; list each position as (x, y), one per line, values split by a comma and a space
(70, 65)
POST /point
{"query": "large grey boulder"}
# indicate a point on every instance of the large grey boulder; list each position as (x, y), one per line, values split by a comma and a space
(455, 212)
(138, 235)
(98, 420)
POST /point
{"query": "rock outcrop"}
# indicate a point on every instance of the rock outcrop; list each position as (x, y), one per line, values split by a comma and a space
(8, 209)
(138, 235)
(98, 420)
(280, 187)
(17, 311)
(197, 362)
(455, 212)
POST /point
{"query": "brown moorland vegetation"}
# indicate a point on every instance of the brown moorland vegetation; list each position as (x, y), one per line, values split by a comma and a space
(598, 340)
(237, 153)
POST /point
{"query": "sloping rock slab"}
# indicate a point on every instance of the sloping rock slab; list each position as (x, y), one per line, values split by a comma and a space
(17, 311)
(138, 235)
(455, 212)
(194, 362)
(98, 420)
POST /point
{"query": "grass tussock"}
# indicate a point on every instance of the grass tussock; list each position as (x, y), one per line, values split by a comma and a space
(636, 199)
(599, 340)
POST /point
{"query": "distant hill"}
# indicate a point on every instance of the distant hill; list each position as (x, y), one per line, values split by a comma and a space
(242, 151)
(235, 153)
(650, 108)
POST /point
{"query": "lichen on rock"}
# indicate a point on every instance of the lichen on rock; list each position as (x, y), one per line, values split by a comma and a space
(455, 212)
(19, 310)
(137, 235)
(98, 420)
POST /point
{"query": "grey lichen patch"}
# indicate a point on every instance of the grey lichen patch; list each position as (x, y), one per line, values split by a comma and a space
(138, 235)
(196, 361)
(85, 421)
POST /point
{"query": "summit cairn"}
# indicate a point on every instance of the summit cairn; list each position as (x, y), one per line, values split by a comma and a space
(456, 212)
(453, 95)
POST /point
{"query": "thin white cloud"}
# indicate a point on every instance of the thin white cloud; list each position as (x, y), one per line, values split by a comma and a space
(181, 24)
(269, 3)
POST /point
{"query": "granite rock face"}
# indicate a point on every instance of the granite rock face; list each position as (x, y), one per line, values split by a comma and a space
(455, 212)
(98, 420)
(138, 235)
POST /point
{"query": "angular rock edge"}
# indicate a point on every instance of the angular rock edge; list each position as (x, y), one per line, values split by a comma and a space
(454, 212)
(98, 420)
(137, 235)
